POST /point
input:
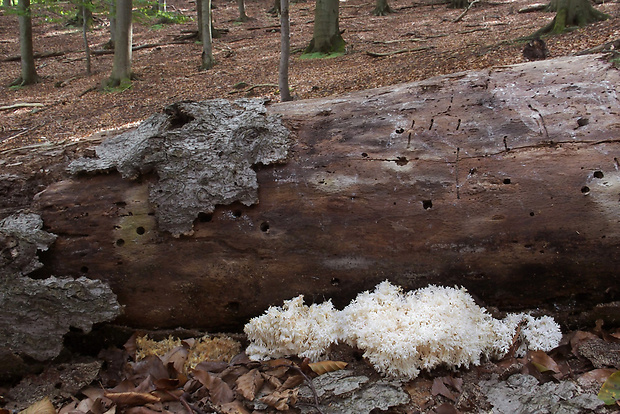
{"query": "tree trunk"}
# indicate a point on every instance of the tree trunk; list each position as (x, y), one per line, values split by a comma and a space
(6, 3)
(459, 4)
(85, 37)
(327, 37)
(455, 180)
(199, 18)
(207, 41)
(121, 69)
(382, 8)
(571, 13)
(112, 19)
(242, 16)
(285, 52)
(28, 71)
(276, 7)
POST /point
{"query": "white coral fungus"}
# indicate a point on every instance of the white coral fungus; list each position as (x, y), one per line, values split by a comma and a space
(293, 329)
(400, 333)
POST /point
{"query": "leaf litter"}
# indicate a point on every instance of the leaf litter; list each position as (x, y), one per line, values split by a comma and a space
(154, 377)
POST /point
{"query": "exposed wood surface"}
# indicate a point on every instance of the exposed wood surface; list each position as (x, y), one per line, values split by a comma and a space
(504, 181)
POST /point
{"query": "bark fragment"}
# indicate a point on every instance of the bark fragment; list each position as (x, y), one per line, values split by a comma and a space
(203, 154)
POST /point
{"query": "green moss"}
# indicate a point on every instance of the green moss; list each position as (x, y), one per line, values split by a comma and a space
(319, 55)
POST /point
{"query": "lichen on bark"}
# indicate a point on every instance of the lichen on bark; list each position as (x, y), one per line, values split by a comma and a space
(202, 154)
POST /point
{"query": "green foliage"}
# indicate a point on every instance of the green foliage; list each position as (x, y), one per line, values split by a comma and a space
(319, 55)
(112, 86)
(610, 391)
(147, 12)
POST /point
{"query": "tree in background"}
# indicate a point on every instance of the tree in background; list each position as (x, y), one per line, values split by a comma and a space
(6, 3)
(121, 68)
(242, 16)
(571, 13)
(207, 40)
(327, 37)
(28, 70)
(285, 51)
(382, 8)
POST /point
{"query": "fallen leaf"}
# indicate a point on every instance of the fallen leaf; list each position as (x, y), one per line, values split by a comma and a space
(610, 391)
(176, 357)
(439, 388)
(281, 400)
(249, 383)
(599, 375)
(131, 398)
(43, 406)
(235, 407)
(543, 362)
(446, 408)
(219, 391)
(291, 382)
(324, 367)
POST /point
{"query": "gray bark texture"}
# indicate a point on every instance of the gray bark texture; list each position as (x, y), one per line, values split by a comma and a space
(285, 52)
(121, 69)
(504, 181)
(36, 314)
(28, 71)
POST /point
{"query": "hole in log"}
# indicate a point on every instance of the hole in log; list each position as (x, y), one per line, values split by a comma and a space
(585, 190)
(400, 161)
(399, 130)
(233, 306)
(120, 204)
(140, 230)
(335, 281)
(204, 217)
(531, 214)
(364, 154)
(431, 126)
(264, 227)
(427, 204)
(237, 213)
(506, 181)
(84, 269)
(598, 174)
(120, 242)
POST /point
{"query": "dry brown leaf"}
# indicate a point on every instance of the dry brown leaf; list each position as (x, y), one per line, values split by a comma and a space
(579, 338)
(141, 410)
(596, 375)
(131, 398)
(291, 382)
(249, 383)
(273, 381)
(176, 357)
(543, 362)
(43, 406)
(281, 400)
(439, 388)
(219, 391)
(323, 367)
(234, 407)
(167, 383)
(446, 408)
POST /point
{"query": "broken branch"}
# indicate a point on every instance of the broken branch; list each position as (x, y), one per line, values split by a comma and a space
(458, 19)
(396, 52)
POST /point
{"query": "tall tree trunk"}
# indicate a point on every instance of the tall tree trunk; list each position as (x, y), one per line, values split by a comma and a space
(6, 3)
(571, 13)
(382, 8)
(242, 16)
(84, 35)
(199, 17)
(276, 7)
(121, 69)
(458, 4)
(326, 38)
(285, 46)
(112, 18)
(207, 45)
(28, 71)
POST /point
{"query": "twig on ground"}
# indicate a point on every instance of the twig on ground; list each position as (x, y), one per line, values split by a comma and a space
(396, 52)
(251, 88)
(21, 105)
(458, 19)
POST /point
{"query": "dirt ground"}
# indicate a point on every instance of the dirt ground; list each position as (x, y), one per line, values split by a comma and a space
(249, 52)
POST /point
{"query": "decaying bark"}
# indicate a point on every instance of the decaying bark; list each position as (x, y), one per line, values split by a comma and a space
(504, 181)
(36, 314)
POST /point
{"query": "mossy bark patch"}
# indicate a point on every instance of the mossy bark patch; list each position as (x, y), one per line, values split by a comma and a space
(202, 153)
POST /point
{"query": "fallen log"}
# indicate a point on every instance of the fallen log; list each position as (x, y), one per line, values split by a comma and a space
(504, 181)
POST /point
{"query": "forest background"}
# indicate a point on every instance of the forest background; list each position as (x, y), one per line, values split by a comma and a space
(420, 40)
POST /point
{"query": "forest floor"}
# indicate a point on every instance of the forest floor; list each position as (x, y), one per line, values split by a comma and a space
(73, 107)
